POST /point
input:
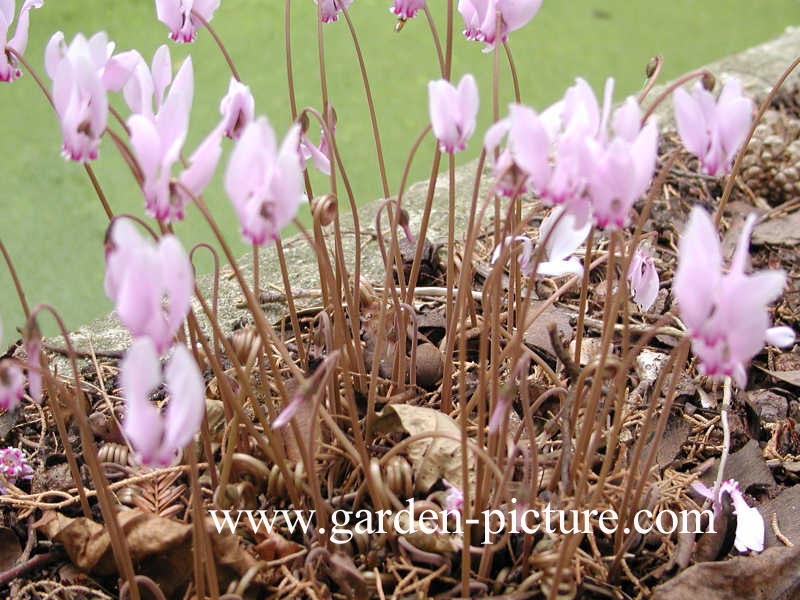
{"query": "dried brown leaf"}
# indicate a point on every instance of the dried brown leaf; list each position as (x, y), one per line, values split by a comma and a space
(88, 544)
(783, 231)
(536, 333)
(431, 458)
(773, 575)
(10, 548)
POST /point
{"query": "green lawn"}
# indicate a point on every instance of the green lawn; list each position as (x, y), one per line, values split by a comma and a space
(51, 220)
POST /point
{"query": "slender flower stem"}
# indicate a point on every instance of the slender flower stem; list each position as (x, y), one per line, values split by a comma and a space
(370, 103)
(287, 45)
(98, 190)
(740, 157)
(436, 42)
(671, 88)
(450, 277)
(423, 228)
(584, 293)
(116, 536)
(264, 329)
(726, 436)
(219, 43)
(15, 278)
(46, 92)
(513, 69)
(287, 285)
(448, 61)
(651, 78)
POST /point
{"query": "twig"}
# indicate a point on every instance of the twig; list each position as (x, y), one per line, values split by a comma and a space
(37, 561)
(781, 538)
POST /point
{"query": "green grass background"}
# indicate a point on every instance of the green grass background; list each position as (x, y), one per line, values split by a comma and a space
(53, 225)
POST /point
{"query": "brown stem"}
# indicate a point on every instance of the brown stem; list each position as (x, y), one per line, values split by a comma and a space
(370, 103)
(219, 43)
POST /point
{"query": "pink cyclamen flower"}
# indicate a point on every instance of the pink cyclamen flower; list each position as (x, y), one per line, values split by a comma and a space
(141, 275)
(480, 18)
(145, 90)
(524, 163)
(563, 233)
(263, 182)
(454, 499)
(317, 153)
(713, 130)
(237, 109)
(33, 349)
(643, 277)
(157, 144)
(9, 69)
(155, 436)
(619, 170)
(726, 314)
(79, 94)
(406, 9)
(453, 111)
(329, 9)
(181, 16)
(13, 467)
(12, 384)
(749, 522)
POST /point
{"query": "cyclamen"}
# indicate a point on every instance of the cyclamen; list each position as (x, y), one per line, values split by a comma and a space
(453, 111)
(726, 314)
(480, 18)
(13, 467)
(140, 275)
(183, 17)
(9, 68)
(158, 437)
(713, 130)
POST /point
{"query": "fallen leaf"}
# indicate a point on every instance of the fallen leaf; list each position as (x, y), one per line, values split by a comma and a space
(88, 544)
(10, 549)
(783, 231)
(786, 507)
(772, 575)
(431, 458)
(747, 466)
(274, 546)
(792, 377)
(536, 333)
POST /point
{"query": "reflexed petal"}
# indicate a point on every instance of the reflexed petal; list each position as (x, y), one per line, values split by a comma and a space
(699, 269)
(782, 337)
(140, 373)
(178, 279)
(442, 105)
(20, 40)
(203, 163)
(186, 405)
(517, 13)
(53, 53)
(691, 124)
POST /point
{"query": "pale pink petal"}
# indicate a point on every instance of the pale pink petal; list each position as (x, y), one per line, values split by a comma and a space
(20, 40)
(161, 70)
(699, 269)
(517, 13)
(169, 13)
(53, 53)
(178, 278)
(781, 337)
(692, 126)
(140, 373)
(186, 405)
(203, 163)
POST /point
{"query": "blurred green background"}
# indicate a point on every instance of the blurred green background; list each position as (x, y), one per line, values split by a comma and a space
(52, 222)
